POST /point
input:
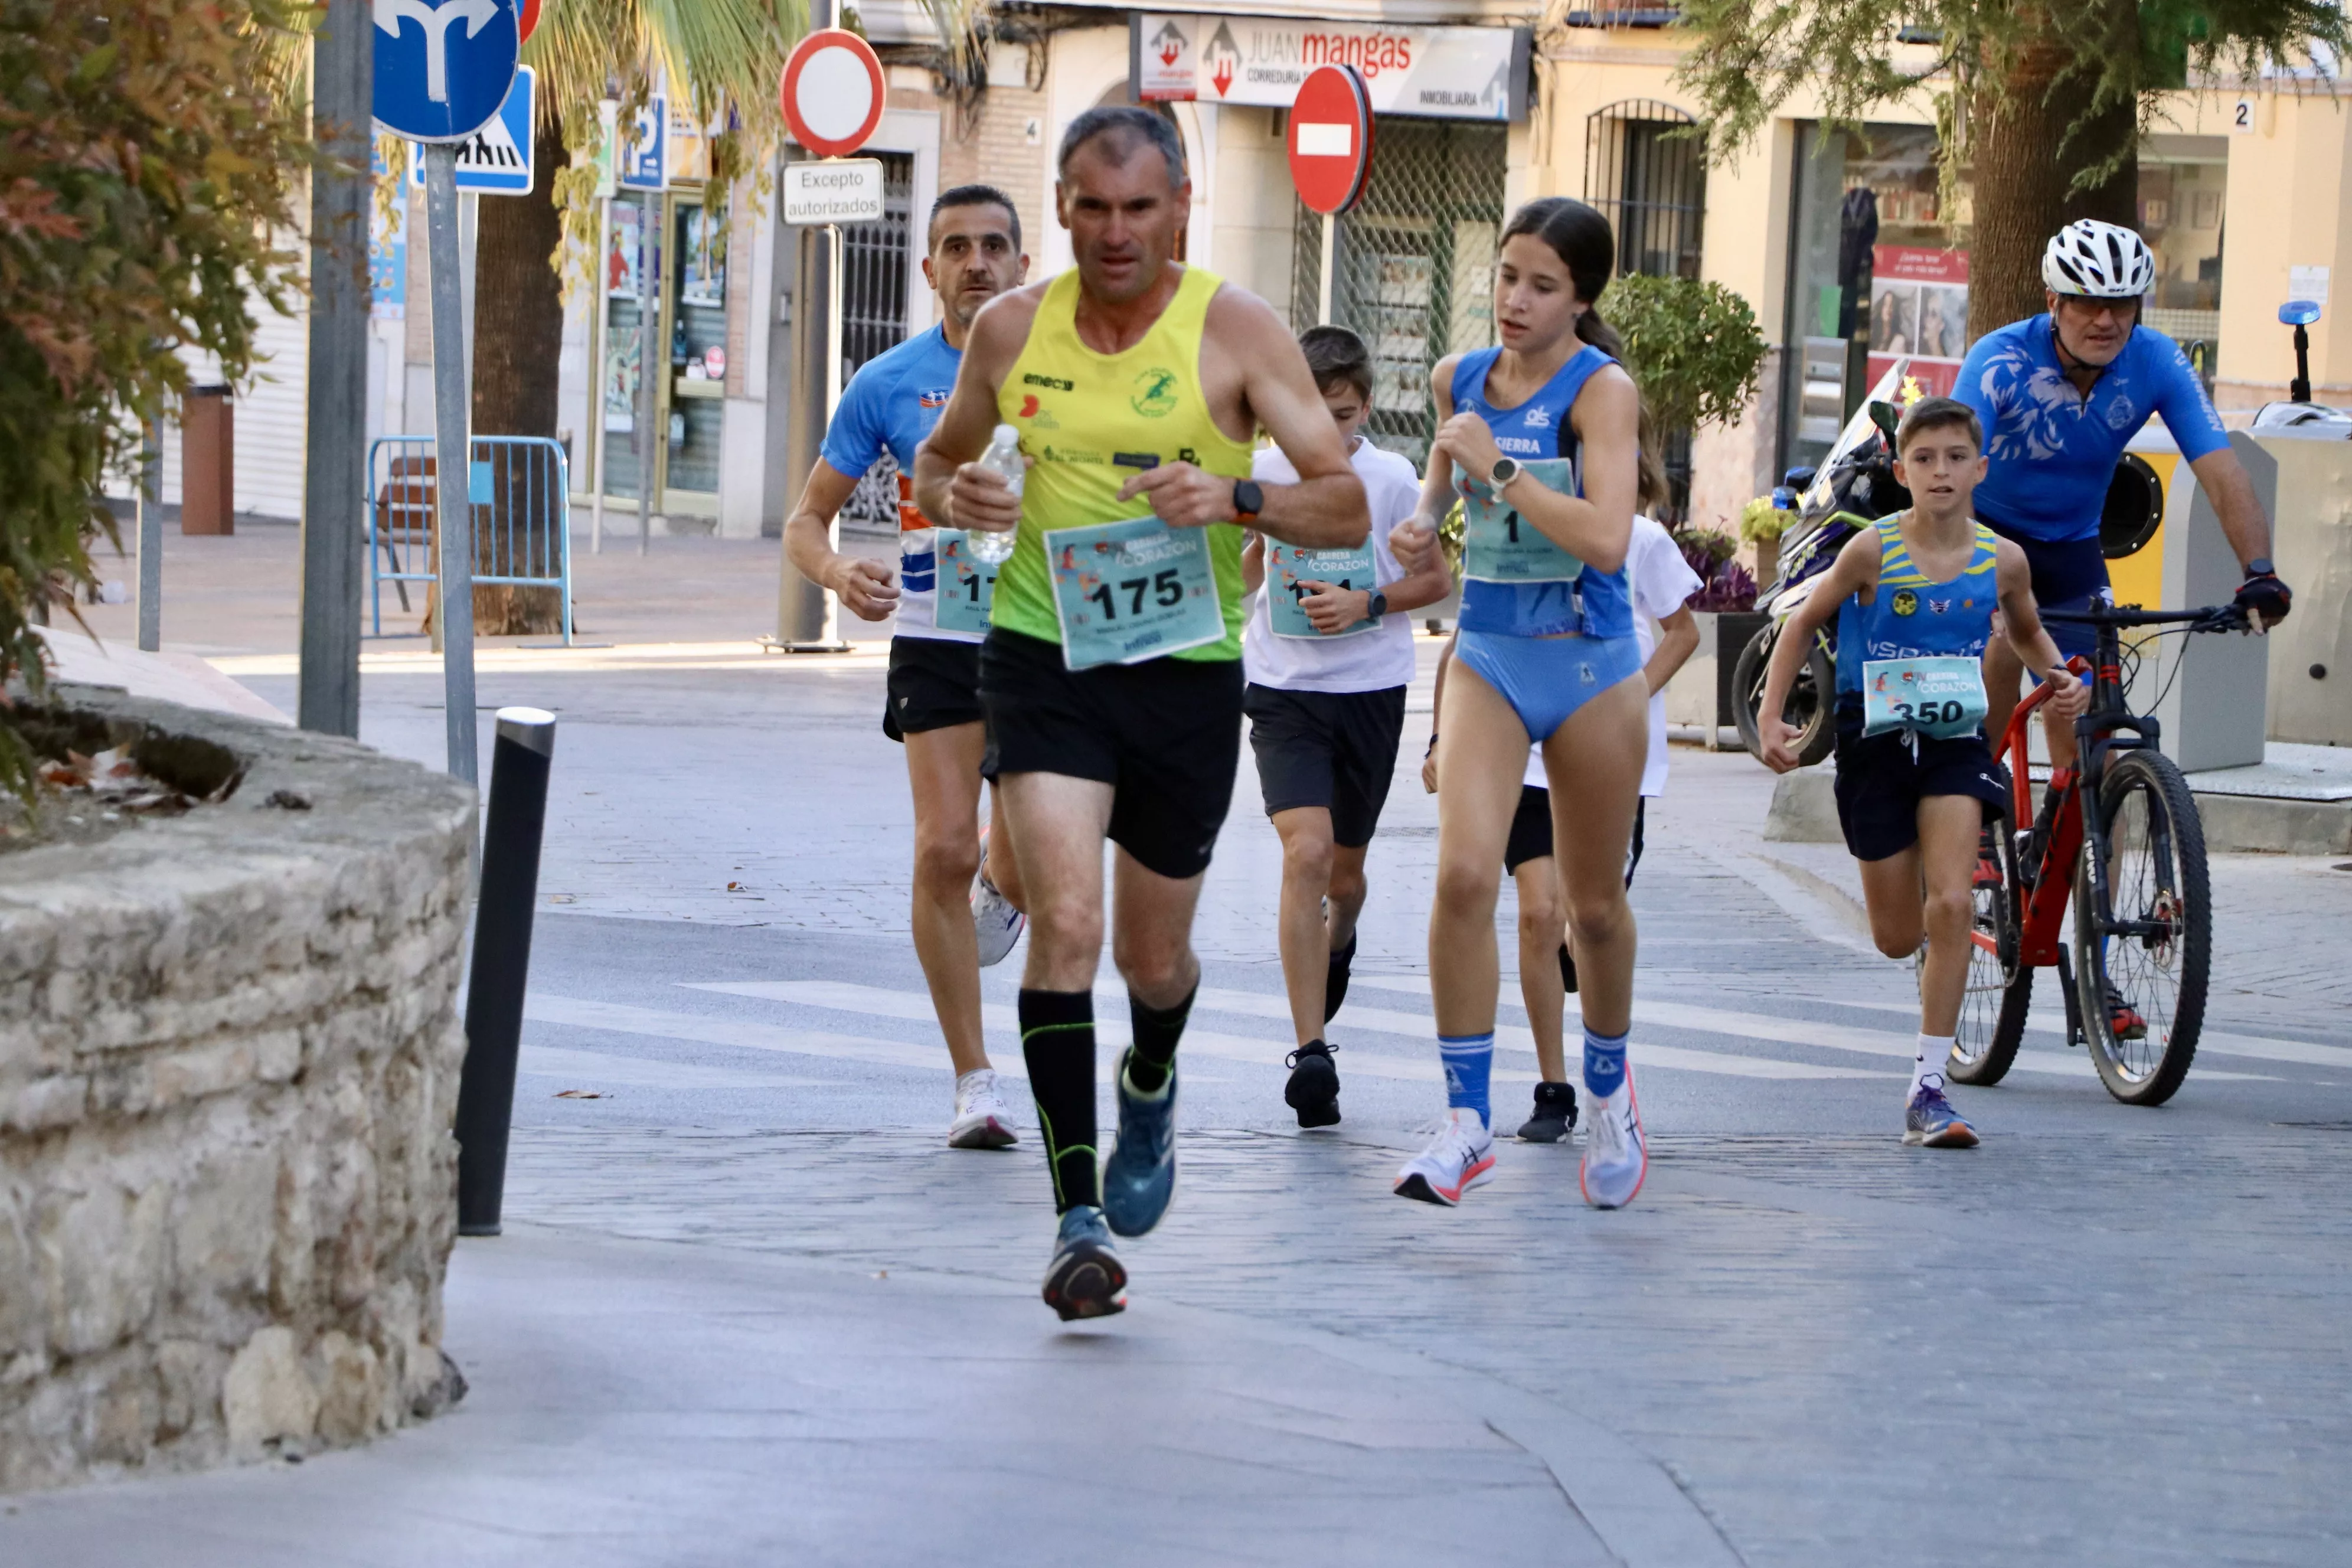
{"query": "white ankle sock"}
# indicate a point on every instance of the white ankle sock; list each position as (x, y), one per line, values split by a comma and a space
(1929, 1063)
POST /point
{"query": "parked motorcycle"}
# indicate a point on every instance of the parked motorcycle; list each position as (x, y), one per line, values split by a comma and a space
(1853, 487)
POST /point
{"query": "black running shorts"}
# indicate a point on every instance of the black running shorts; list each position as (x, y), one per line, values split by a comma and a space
(1332, 749)
(1531, 831)
(933, 685)
(1166, 734)
(1880, 786)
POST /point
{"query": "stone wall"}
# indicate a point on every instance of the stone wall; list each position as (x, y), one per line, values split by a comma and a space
(228, 1068)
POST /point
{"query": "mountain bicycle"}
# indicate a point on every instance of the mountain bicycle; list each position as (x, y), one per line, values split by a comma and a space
(2119, 839)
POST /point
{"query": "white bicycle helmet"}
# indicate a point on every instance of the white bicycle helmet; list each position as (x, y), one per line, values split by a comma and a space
(2095, 260)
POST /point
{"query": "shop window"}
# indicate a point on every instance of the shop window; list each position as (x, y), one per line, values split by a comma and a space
(1872, 276)
(1414, 269)
(2182, 181)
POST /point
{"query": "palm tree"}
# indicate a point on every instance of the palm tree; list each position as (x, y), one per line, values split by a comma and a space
(730, 55)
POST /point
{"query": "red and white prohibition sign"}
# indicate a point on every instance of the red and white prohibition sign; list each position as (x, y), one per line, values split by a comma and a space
(1332, 138)
(832, 92)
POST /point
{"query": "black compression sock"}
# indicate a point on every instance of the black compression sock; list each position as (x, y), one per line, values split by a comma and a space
(1057, 1042)
(1155, 1034)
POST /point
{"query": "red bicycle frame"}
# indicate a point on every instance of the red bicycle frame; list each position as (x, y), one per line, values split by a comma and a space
(2045, 909)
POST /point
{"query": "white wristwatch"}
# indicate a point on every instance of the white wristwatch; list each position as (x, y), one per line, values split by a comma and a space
(1506, 470)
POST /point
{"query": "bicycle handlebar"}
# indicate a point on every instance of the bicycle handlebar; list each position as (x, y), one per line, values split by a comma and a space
(2212, 618)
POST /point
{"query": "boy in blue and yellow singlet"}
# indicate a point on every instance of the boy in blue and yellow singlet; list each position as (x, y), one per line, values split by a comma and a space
(1916, 781)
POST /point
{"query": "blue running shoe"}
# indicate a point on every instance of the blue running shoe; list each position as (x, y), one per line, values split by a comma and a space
(1139, 1177)
(1930, 1122)
(1086, 1278)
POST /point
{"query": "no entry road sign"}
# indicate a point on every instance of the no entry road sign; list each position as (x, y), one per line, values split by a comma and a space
(832, 92)
(1332, 138)
(442, 69)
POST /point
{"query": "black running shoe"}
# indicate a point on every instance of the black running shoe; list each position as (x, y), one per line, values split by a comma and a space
(1555, 1115)
(1313, 1091)
(1335, 978)
(1567, 969)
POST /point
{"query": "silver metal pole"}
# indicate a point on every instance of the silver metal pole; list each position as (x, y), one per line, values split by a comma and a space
(335, 479)
(599, 331)
(452, 489)
(653, 359)
(1323, 286)
(150, 536)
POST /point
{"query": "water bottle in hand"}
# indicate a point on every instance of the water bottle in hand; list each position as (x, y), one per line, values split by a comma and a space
(989, 547)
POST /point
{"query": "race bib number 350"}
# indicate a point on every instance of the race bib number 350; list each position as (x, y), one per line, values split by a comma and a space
(1940, 696)
(1289, 570)
(967, 588)
(1501, 546)
(1128, 591)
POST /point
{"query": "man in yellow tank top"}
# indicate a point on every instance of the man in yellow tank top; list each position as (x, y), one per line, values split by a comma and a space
(1112, 678)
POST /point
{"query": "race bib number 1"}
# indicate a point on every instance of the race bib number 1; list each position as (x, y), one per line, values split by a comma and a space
(1501, 546)
(967, 588)
(1124, 592)
(1289, 569)
(1940, 696)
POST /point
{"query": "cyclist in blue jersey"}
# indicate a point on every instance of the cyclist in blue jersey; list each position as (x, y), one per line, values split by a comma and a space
(2060, 395)
(966, 912)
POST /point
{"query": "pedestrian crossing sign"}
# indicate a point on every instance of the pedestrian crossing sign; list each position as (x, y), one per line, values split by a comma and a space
(495, 161)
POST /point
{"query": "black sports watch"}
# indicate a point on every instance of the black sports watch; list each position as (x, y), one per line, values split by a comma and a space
(2260, 566)
(1377, 605)
(1249, 498)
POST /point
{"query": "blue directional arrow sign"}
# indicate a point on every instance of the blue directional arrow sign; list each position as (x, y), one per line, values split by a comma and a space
(443, 67)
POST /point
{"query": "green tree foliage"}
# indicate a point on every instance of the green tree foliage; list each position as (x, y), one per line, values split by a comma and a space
(151, 153)
(1752, 55)
(1694, 347)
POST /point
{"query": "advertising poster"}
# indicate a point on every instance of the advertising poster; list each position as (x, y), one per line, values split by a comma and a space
(621, 371)
(625, 253)
(1919, 307)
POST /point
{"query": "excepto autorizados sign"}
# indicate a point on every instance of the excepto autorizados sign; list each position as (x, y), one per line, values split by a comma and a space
(836, 190)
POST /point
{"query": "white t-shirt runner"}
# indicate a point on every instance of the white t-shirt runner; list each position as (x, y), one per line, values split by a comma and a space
(1663, 583)
(1371, 660)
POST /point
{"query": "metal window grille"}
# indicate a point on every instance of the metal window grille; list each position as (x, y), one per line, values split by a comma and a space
(1650, 182)
(1414, 266)
(1645, 172)
(875, 257)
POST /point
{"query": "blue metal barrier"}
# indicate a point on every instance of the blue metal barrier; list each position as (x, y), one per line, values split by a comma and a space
(519, 492)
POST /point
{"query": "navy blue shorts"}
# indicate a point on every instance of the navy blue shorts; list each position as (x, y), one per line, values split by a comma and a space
(2066, 572)
(1882, 779)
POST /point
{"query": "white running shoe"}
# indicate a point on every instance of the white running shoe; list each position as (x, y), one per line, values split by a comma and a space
(995, 920)
(1616, 1155)
(983, 1120)
(1461, 1156)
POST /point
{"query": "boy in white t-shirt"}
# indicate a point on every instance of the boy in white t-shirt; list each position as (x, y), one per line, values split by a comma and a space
(1328, 654)
(1663, 583)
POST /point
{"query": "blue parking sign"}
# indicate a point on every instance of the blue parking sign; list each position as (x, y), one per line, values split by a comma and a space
(443, 67)
(644, 157)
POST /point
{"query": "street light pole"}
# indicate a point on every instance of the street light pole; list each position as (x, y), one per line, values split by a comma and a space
(335, 475)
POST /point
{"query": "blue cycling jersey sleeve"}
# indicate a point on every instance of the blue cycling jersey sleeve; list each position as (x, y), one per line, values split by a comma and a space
(2181, 397)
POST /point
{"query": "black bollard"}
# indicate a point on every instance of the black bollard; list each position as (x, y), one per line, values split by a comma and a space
(517, 819)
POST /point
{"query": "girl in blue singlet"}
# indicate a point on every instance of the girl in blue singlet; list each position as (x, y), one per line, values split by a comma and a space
(1540, 440)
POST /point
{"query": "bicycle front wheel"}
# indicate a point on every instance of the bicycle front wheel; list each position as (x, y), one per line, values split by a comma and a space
(2000, 988)
(2143, 956)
